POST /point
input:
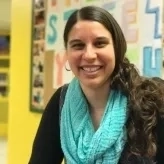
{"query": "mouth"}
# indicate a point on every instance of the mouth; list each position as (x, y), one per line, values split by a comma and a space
(90, 69)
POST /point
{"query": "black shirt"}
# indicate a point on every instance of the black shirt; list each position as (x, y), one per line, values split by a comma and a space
(47, 147)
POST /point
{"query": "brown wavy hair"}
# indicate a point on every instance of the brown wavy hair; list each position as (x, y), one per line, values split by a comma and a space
(143, 94)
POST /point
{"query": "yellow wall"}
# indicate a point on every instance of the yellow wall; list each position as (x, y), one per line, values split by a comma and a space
(22, 123)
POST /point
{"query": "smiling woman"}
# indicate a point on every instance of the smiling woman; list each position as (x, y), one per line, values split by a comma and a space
(90, 53)
(108, 113)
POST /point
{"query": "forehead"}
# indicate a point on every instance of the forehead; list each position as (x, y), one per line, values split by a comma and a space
(88, 29)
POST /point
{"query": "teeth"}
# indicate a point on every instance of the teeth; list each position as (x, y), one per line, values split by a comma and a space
(91, 69)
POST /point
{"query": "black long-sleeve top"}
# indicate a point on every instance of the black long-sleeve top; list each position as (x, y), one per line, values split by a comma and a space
(47, 147)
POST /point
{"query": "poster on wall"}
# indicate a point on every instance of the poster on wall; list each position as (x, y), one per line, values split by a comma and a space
(125, 12)
(37, 56)
(151, 37)
(144, 44)
(62, 73)
(56, 18)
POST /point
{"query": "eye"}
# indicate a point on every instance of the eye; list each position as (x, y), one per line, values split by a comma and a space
(78, 46)
(100, 44)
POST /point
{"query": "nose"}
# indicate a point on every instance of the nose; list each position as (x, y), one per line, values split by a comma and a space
(89, 53)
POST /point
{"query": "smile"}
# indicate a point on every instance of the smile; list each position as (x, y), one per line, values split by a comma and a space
(91, 69)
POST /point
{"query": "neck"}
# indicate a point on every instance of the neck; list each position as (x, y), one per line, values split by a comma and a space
(97, 98)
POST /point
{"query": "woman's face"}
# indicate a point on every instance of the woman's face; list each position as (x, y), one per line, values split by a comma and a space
(90, 53)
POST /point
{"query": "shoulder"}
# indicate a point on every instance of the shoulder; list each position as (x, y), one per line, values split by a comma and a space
(149, 94)
(56, 94)
(48, 134)
(53, 103)
(160, 128)
(148, 98)
(147, 85)
(55, 97)
(160, 140)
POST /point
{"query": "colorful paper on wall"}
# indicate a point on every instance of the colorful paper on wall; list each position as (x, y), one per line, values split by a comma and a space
(141, 22)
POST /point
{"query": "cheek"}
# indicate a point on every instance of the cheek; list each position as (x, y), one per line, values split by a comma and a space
(73, 60)
(112, 61)
(109, 57)
(109, 60)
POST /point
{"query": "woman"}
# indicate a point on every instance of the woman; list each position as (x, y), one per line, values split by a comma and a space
(108, 114)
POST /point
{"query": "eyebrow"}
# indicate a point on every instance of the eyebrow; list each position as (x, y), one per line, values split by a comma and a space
(78, 40)
(74, 41)
(102, 38)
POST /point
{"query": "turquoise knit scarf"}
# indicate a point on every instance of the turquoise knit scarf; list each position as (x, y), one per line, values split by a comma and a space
(80, 143)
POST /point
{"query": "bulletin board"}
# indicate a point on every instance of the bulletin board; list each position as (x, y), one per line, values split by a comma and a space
(144, 45)
(41, 61)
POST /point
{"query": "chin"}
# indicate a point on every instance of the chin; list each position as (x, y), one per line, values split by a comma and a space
(93, 84)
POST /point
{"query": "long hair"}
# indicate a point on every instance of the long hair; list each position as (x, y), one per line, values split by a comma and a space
(143, 94)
